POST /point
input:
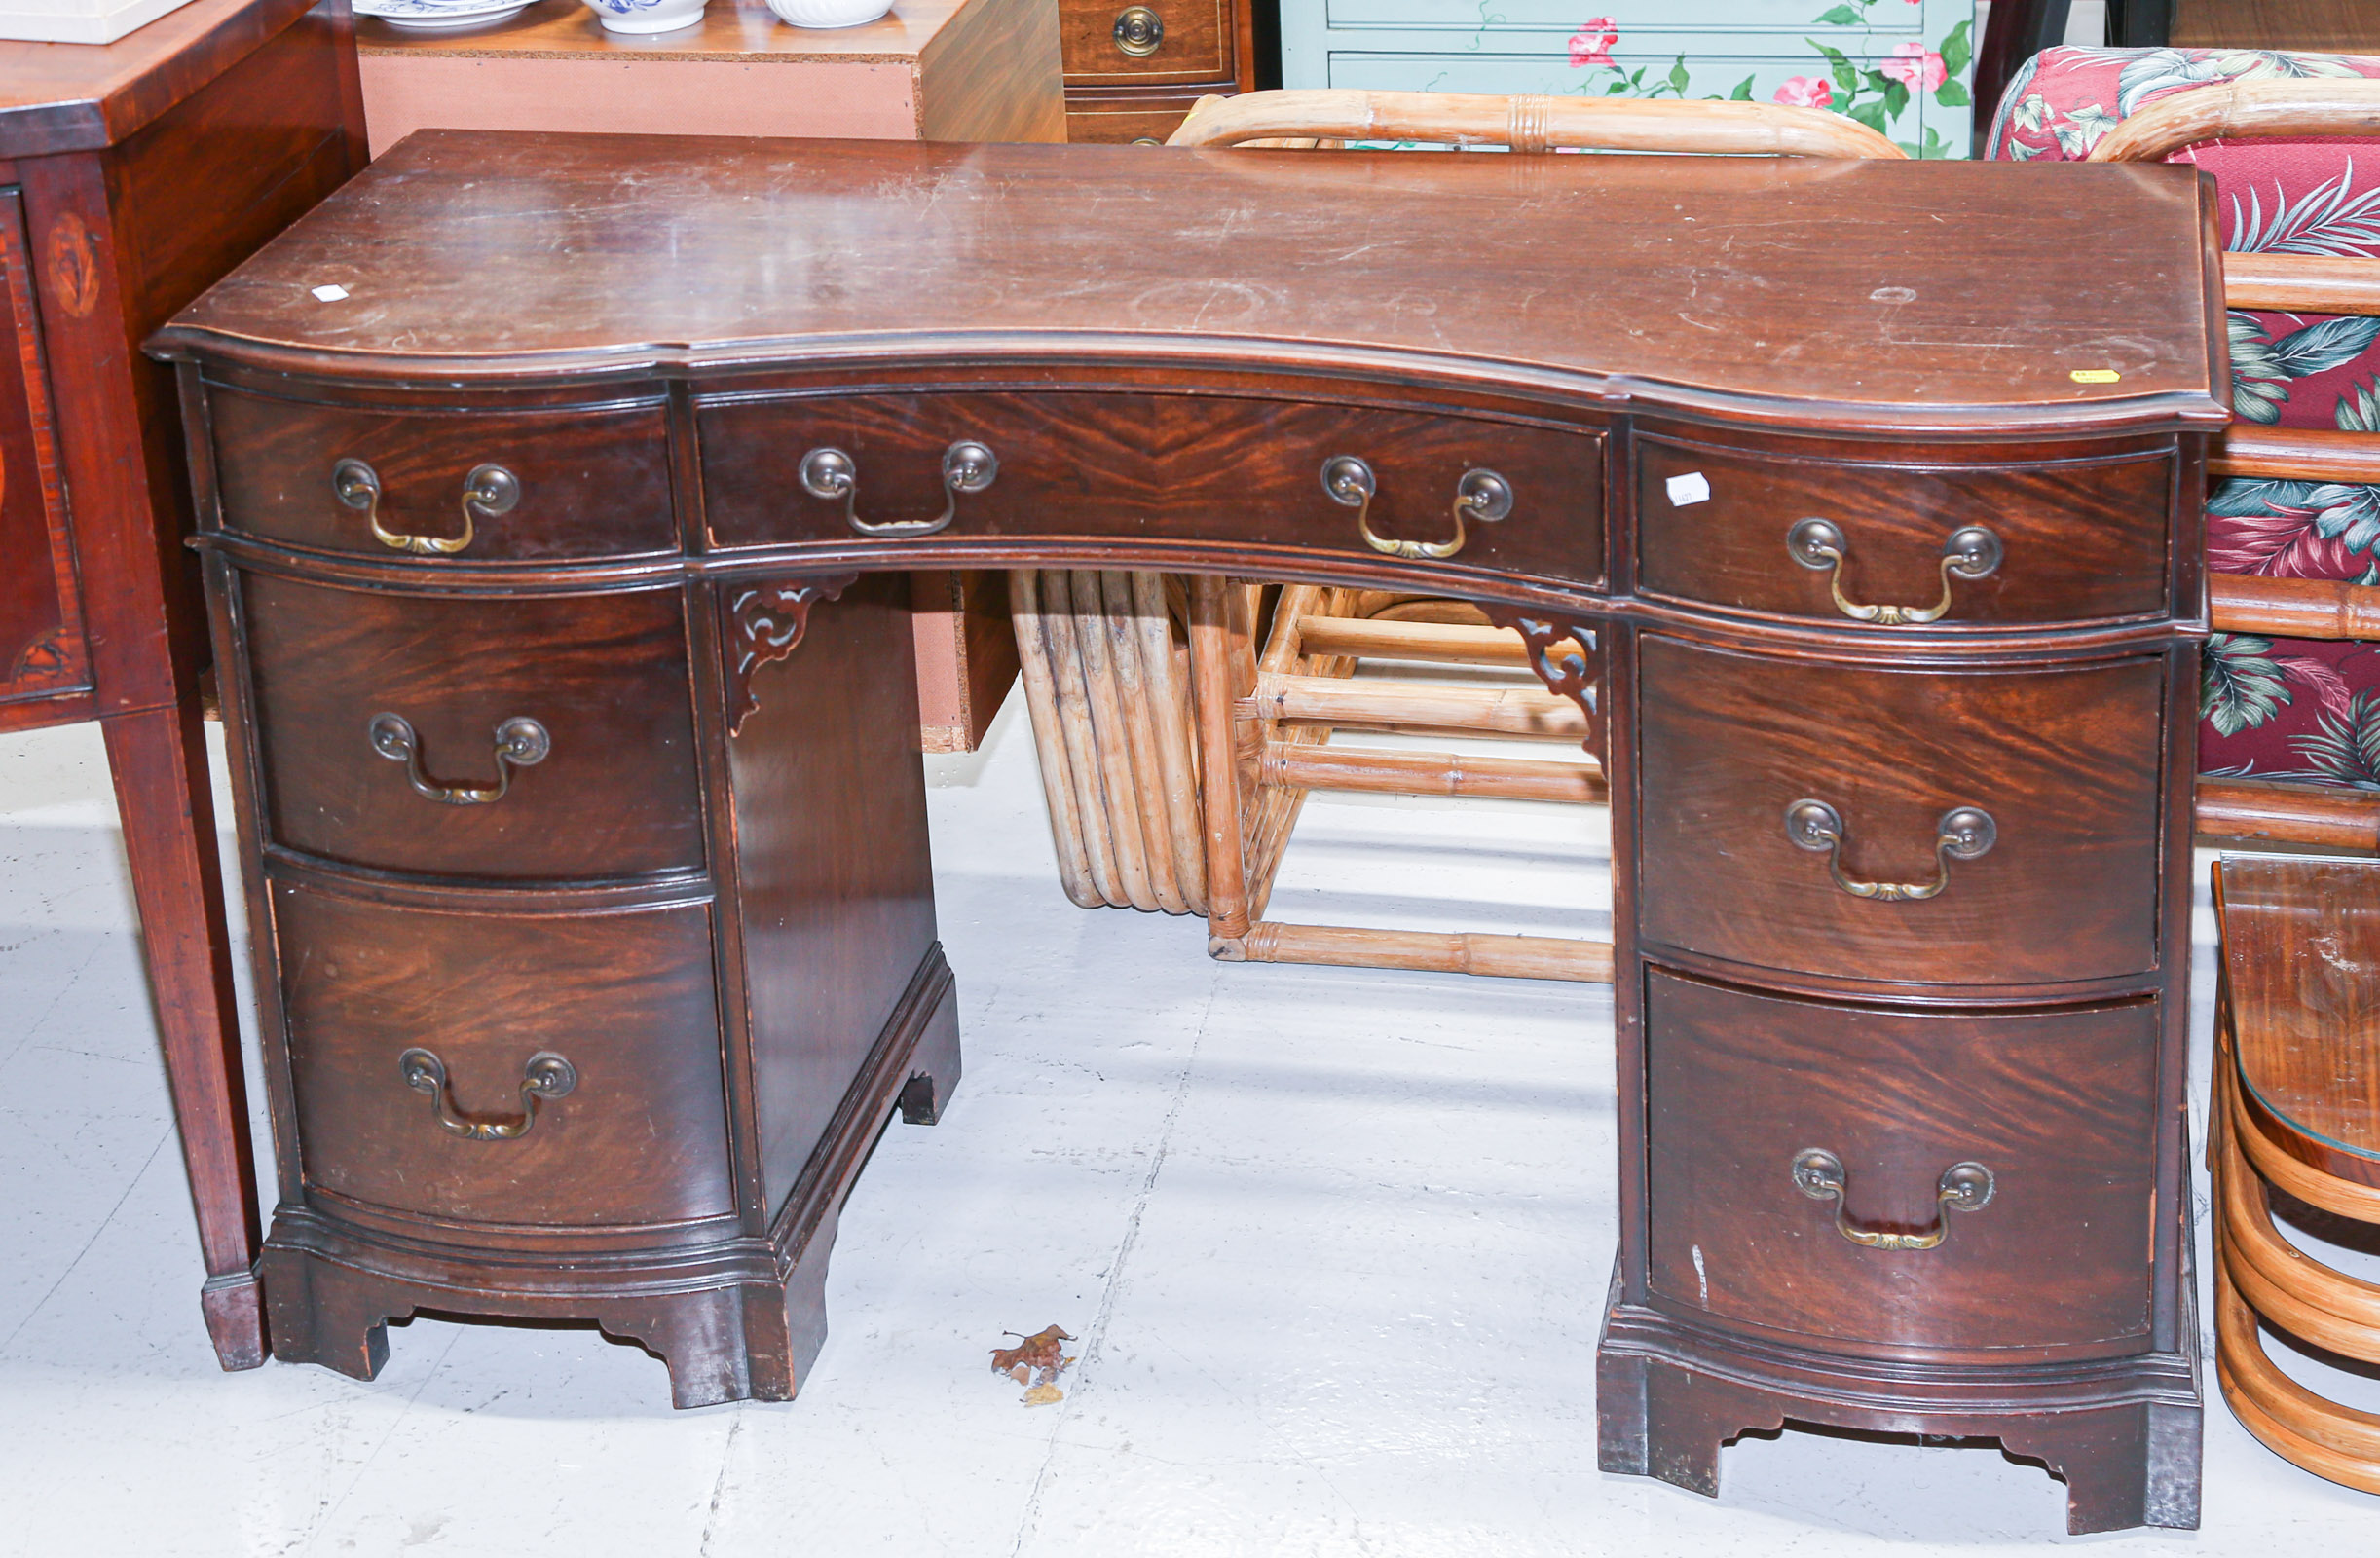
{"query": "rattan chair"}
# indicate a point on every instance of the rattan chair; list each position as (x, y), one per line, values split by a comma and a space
(1127, 673)
(2254, 811)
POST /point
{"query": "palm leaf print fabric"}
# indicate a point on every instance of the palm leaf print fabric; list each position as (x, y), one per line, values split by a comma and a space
(2304, 710)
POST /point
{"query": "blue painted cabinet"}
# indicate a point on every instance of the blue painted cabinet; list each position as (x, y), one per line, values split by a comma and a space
(1902, 66)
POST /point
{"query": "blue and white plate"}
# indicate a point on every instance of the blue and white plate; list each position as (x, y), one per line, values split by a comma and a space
(430, 14)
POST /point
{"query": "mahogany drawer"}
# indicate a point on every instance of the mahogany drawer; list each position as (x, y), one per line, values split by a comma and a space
(602, 676)
(1099, 44)
(1156, 466)
(638, 1135)
(2068, 541)
(2066, 762)
(2056, 1108)
(588, 481)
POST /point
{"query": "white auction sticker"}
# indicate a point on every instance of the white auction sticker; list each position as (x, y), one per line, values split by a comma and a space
(333, 293)
(1692, 488)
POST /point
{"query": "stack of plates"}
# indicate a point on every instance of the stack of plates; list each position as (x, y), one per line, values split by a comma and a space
(426, 14)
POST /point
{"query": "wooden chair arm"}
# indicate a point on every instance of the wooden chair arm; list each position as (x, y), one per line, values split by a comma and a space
(1529, 124)
(2229, 110)
(2297, 454)
(2302, 283)
(2293, 607)
(2317, 816)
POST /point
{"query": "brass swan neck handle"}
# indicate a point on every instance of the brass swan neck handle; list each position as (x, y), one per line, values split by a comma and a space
(546, 1075)
(520, 743)
(1970, 552)
(1964, 833)
(1480, 494)
(1963, 1187)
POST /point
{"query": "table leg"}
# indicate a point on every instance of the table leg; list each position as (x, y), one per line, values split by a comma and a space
(158, 758)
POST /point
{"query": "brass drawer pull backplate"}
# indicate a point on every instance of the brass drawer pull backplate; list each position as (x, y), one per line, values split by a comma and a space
(1963, 1187)
(520, 743)
(1964, 833)
(1972, 552)
(1140, 31)
(548, 1075)
(487, 492)
(967, 466)
(1480, 494)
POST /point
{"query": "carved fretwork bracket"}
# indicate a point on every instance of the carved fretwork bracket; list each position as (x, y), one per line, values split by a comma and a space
(1554, 643)
(763, 622)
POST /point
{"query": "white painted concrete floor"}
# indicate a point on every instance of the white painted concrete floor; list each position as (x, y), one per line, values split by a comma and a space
(1335, 1243)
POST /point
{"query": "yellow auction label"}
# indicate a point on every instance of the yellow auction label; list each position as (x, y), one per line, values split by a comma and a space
(2095, 376)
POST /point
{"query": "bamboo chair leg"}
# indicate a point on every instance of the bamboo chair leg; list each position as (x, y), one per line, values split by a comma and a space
(1169, 716)
(1074, 726)
(1210, 672)
(1137, 725)
(1273, 809)
(1111, 747)
(1049, 742)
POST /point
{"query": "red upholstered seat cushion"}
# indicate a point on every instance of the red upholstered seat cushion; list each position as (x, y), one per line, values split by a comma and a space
(2275, 709)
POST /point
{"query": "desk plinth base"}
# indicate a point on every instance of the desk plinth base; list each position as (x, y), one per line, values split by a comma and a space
(2122, 1433)
(734, 1318)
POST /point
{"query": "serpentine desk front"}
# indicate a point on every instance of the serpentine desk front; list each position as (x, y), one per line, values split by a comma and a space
(550, 486)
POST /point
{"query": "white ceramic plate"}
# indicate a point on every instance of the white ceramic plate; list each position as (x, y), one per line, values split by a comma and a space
(430, 14)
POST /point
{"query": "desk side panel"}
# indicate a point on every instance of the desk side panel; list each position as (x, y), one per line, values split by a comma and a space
(832, 867)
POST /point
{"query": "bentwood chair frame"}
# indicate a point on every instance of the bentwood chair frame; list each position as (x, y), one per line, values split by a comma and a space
(1138, 821)
(2254, 811)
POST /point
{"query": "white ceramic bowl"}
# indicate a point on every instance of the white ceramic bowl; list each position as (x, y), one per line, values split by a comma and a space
(647, 16)
(828, 13)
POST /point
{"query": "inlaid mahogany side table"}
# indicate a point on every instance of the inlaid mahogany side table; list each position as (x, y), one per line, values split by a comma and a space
(587, 845)
(132, 175)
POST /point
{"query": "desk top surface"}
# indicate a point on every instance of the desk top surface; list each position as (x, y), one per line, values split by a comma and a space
(1881, 294)
(740, 32)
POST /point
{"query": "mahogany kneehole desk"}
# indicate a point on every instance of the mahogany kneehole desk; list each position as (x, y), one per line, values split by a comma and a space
(554, 568)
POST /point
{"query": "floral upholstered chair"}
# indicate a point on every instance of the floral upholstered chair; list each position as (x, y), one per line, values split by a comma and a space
(2275, 708)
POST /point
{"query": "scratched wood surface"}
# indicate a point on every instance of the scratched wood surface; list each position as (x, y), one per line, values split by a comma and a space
(1908, 292)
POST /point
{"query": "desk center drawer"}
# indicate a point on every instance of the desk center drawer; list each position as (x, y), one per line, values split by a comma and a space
(535, 738)
(1960, 827)
(1136, 468)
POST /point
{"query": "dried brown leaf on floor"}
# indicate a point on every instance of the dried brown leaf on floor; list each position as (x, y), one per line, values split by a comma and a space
(1036, 1360)
(1039, 1352)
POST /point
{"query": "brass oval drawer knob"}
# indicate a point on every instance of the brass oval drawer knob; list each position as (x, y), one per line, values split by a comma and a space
(1963, 1187)
(487, 492)
(1964, 833)
(1480, 494)
(967, 466)
(1140, 31)
(548, 1075)
(1971, 552)
(520, 743)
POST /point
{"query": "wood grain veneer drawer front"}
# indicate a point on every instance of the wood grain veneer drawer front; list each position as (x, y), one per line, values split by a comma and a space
(603, 679)
(2065, 761)
(2057, 1107)
(2067, 540)
(639, 1135)
(586, 481)
(1151, 468)
(1117, 41)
